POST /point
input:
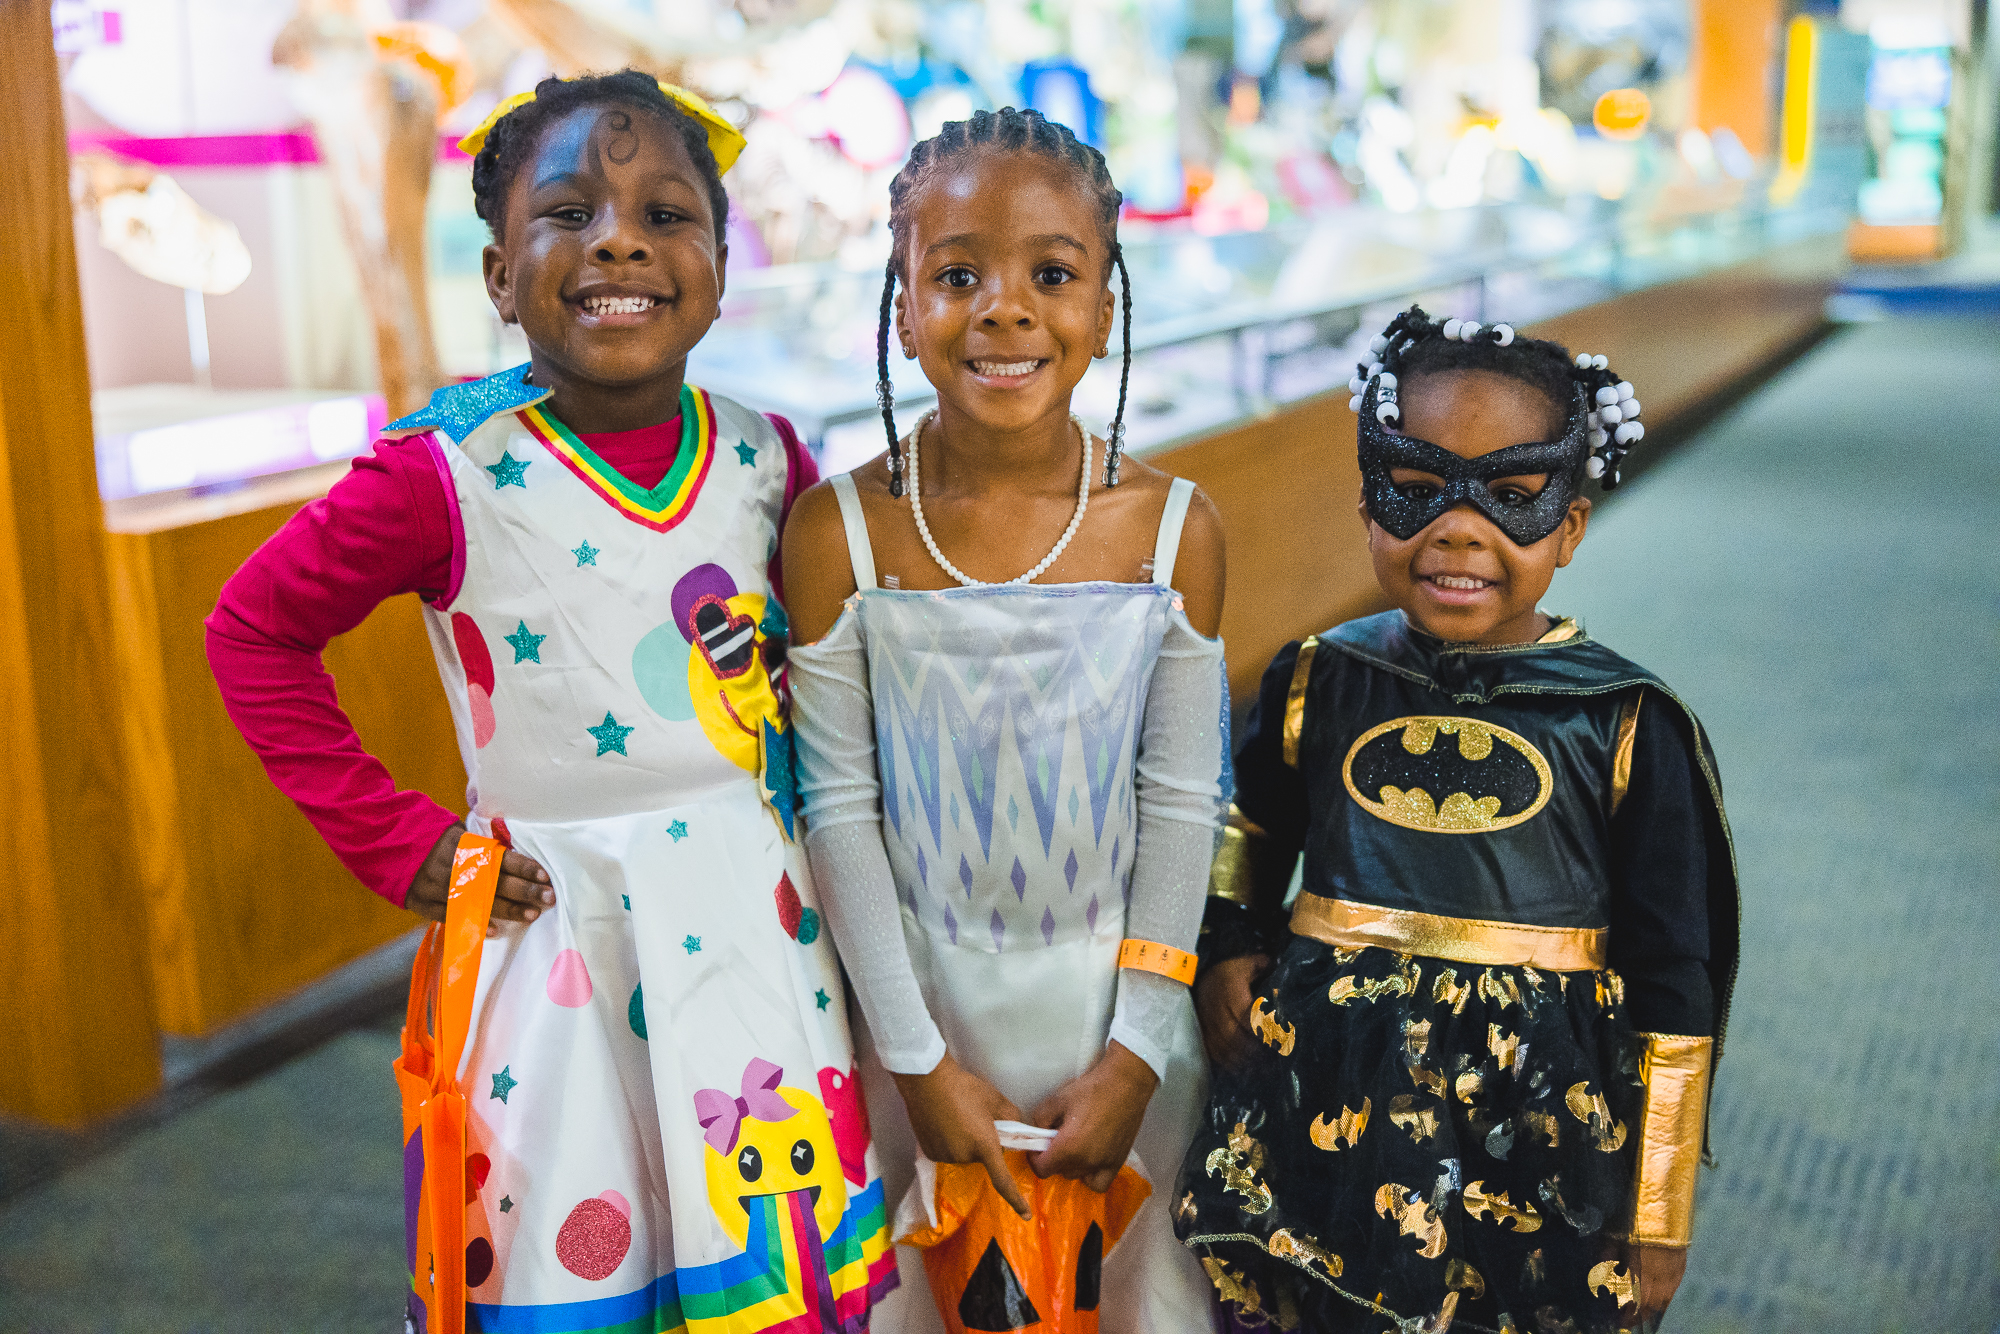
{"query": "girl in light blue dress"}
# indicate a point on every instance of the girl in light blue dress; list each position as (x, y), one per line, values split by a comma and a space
(1007, 776)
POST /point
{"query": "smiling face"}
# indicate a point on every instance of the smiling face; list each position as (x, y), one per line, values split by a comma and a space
(1461, 578)
(773, 1160)
(1004, 299)
(607, 254)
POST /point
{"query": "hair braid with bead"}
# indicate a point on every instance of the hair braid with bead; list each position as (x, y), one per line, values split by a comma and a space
(1415, 344)
(1008, 130)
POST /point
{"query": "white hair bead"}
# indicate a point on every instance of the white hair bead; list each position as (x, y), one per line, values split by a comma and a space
(1630, 408)
(1356, 385)
(1452, 329)
(1593, 466)
(1387, 380)
(1374, 369)
(1503, 334)
(1386, 413)
(1469, 330)
(1625, 390)
(1583, 361)
(1354, 405)
(1379, 344)
(1590, 420)
(1599, 362)
(1610, 415)
(1631, 433)
(1598, 438)
(1606, 396)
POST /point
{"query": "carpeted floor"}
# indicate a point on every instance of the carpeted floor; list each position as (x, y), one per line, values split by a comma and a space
(1815, 574)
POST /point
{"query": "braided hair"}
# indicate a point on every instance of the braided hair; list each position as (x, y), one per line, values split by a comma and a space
(1415, 344)
(513, 137)
(1007, 130)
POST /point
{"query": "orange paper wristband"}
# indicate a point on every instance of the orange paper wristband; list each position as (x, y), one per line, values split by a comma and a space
(1153, 957)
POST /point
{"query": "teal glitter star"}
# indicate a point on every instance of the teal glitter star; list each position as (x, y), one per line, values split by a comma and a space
(610, 736)
(509, 471)
(628, 901)
(747, 452)
(821, 999)
(692, 944)
(585, 554)
(503, 1084)
(527, 647)
(506, 1204)
(678, 829)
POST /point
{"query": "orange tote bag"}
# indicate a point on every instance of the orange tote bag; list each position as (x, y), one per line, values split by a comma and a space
(441, 1212)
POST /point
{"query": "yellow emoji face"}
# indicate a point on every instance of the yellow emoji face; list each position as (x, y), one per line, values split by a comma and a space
(730, 673)
(773, 1159)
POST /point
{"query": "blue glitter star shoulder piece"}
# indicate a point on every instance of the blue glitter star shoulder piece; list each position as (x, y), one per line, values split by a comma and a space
(460, 409)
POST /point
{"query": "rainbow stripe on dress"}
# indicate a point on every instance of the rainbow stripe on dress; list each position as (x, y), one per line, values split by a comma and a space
(774, 1287)
(666, 504)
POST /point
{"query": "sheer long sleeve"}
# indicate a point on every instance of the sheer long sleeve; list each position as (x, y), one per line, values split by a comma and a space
(840, 788)
(1182, 789)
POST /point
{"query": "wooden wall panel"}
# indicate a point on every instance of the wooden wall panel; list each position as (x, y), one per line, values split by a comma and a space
(258, 905)
(73, 974)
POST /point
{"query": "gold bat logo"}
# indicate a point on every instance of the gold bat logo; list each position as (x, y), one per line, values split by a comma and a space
(1303, 1251)
(1421, 1122)
(1473, 786)
(1414, 1218)
(1495, 1205)
(1328, 1136)
(1609, 1279)
(1264, 1023)
(1591, 1109)
(1238, 1166)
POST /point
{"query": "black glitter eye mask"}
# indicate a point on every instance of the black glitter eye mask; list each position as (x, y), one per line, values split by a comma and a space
(1466, 481)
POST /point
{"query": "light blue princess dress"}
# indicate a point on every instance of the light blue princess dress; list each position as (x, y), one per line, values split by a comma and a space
(1002, 783)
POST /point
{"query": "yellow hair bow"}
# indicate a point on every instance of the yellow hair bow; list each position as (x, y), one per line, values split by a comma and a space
(724, 139)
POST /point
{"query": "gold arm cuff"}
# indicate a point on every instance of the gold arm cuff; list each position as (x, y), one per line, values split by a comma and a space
(1350, 925)
(1245, 869)
(1675, 1071)
(1295, 699)
(1621, 758)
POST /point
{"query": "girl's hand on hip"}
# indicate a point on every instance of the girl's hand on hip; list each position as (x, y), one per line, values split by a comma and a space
(1096, 1117)
(1222, 1000)
(952, 1112)
(524, 886)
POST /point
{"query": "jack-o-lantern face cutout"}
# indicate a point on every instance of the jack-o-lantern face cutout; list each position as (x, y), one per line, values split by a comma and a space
(991, 1270)
(771, 1159)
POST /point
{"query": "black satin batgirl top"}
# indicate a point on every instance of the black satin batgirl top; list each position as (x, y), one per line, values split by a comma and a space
(1548, 784)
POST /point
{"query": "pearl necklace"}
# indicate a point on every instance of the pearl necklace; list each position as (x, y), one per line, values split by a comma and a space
(923, 529)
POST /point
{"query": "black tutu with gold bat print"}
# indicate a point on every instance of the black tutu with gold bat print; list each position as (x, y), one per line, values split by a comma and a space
(1483, 1049)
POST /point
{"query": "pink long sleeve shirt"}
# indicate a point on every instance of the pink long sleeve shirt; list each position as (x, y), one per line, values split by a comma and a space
(390, 526)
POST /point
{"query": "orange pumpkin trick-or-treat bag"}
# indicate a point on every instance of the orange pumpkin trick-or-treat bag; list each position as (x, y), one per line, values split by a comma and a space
(989, 1268)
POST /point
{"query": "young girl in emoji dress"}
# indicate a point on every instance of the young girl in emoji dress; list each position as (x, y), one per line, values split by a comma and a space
(666, 1130)
(1011, 712)
(1471, 1093)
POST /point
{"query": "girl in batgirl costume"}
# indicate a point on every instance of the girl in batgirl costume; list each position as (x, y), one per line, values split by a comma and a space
(1463, 1082)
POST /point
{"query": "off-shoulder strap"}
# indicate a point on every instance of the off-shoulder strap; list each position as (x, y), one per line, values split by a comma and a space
(859, 553)
(1168, 547)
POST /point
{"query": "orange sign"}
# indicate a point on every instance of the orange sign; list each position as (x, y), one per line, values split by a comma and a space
(1622, 113)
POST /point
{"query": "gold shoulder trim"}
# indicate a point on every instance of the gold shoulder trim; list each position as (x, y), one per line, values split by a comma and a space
(1295, 700)
(1249, 867)
(1621, 756)
(1675, 1071)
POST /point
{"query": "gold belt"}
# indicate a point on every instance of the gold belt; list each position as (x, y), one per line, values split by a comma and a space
(1350, 925)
